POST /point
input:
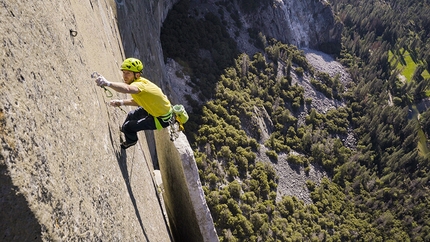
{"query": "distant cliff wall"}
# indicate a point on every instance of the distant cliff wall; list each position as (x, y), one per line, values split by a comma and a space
(306, 24)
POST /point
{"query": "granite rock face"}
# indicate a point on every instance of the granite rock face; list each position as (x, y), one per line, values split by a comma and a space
(306, 24)
(63, 176)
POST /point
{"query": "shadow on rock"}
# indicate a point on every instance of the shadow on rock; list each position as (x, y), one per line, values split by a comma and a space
(121, 156)
(295, 167)
(122, 162)
(18, 222)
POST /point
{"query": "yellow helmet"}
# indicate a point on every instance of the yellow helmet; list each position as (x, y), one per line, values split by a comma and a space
(132, 64)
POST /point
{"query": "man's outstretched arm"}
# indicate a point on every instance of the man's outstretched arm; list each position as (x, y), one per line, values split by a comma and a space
(117, 86)
(126, 102)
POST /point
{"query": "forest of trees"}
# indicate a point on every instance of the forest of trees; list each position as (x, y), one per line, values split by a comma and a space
(378, 191)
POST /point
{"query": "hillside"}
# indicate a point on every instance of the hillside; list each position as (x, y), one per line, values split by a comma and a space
(258, 113)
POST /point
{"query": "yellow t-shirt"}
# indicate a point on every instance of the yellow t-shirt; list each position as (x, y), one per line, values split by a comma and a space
(151, 98)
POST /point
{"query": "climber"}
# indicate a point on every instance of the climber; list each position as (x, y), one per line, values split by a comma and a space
(154, 109)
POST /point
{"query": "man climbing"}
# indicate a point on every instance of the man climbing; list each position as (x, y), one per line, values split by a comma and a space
(154, 109)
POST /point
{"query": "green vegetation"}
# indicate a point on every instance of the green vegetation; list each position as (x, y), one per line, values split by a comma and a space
(408, 67)
(377, 191)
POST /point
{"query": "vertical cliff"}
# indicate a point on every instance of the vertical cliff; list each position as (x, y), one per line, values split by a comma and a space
(63, 176)
(306, 24)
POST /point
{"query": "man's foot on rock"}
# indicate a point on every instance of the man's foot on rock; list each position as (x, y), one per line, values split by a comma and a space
(125, 145)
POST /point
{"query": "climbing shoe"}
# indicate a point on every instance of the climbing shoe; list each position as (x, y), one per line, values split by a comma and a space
(125, 145)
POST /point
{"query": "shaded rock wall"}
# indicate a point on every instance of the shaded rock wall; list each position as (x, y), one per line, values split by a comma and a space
(189, 216)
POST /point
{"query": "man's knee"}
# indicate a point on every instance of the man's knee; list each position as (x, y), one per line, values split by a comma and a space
(125, 127)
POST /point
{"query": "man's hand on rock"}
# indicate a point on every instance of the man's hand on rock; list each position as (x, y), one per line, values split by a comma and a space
(116, 103)
(101, 81)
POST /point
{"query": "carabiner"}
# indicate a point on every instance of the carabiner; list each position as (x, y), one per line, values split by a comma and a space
(108, 93)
